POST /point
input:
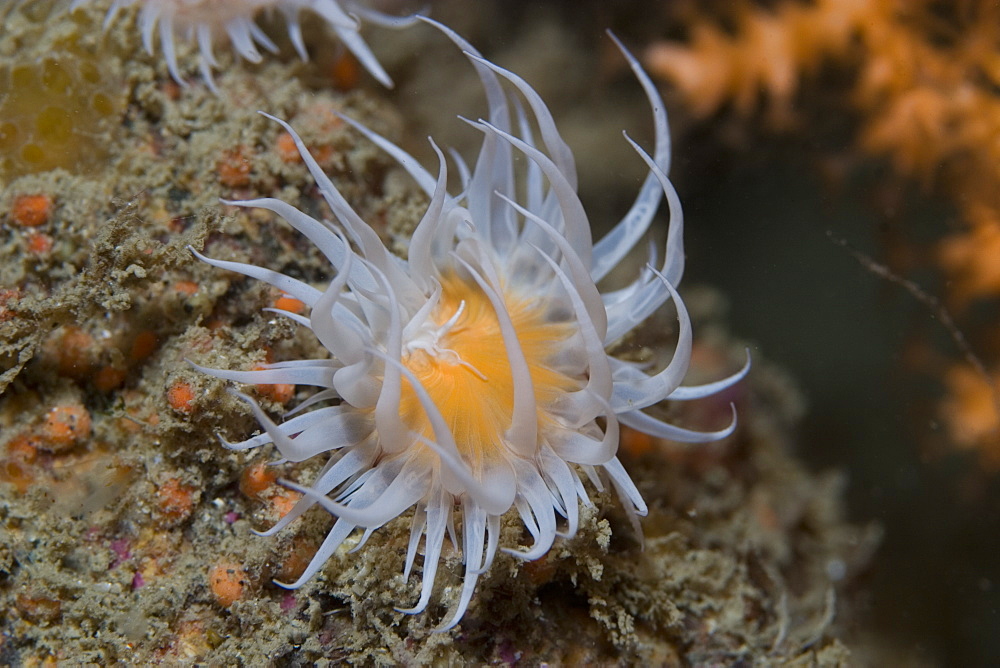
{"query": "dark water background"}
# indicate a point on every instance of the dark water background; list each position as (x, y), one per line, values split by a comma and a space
(842, 332)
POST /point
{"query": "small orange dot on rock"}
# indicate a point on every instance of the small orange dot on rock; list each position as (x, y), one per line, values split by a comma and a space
(73, 352)
(234, 168)
(296, 560)
(345, 72)
(283, 500)
(175, 501)
(31, 210)
(290, 304)
(279, 393)
(180, 396)
(23, 447)
(109, 378)
(256, 480)
(540, 571)
(39, 244)
(287, 150)
(7, 296)
(39, 607)
(186, 287)
(228, 582)
(635, 443)
(143, 345)
(17, 473)
(17, 467)
(64, 427)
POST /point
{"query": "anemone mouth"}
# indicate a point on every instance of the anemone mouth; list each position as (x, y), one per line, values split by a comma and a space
(464, 368)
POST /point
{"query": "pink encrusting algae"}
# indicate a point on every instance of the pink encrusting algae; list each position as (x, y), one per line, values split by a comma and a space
(204, 21)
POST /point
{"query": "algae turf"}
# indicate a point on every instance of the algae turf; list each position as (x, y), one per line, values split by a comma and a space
(107, 542)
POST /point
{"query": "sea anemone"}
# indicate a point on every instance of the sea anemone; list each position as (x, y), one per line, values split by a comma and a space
(473, 377)
(204, 20)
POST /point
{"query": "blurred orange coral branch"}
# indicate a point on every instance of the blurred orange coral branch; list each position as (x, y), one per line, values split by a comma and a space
(970, 412)
(973, 257)
(926, 89)
(769, 52)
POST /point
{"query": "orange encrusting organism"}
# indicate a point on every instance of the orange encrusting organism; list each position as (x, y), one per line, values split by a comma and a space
(280, 393)
(175, 501)
(479, 408)
(256, 480)
(65, 426)
(285, 147)
(143, 345)
(39, 244)
(260, 483)
(73, 351)
(228, 582)
(345, 72)
(109, 378)
(187, 288)
(6, 297)
(17, 467)
(180, 396)
(31, 210)
(234, 167)
(290, 304)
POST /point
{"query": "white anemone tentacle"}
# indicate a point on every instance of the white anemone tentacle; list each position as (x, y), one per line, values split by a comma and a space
(205, 21)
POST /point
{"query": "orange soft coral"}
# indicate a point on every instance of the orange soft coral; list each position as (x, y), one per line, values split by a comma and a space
(768, 54)
(971, 413)
(973, 257)
(926, 84)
